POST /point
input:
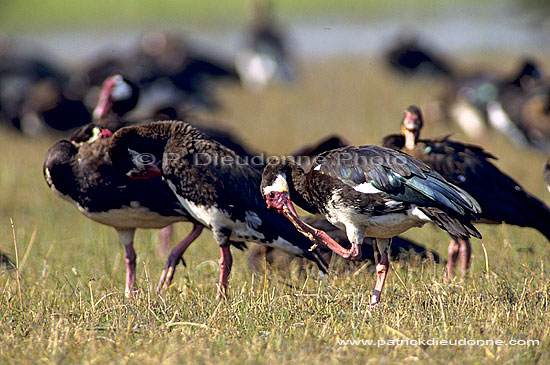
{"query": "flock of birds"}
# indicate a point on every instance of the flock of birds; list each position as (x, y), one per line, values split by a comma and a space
(40, 94)
(515, 104)
(176, 76)
(157, 173)
(162, 170)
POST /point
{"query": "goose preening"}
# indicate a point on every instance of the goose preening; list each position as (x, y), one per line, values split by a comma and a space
(215, 185)
(400, 248)
(368, 191)
(305, 156)
(502, 199)
(80, 171)
(83, 174)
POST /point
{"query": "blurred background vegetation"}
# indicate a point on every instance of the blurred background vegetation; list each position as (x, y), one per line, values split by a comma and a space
(55, 14)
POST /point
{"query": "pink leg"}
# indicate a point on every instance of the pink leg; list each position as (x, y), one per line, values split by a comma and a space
(320, 237)
(354, 253)
(465, 254)
(375, 251)
(453, 251)
(165, 237)
(225, 269)
(381, 271)
(130, 270)
(176, 255)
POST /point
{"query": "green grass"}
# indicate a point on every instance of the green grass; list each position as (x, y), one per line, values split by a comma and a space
(95, 14)
(66, 304)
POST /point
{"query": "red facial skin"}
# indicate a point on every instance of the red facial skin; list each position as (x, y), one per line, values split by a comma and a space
(105, 133)
(105, 103)
(277, 200)
(150, 171)
(411, 122)
(411, 129)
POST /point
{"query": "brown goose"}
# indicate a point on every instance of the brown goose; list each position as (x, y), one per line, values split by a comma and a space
(369, 191)
(502, 199)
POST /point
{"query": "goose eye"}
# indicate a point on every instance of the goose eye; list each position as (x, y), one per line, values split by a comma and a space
(272, 195)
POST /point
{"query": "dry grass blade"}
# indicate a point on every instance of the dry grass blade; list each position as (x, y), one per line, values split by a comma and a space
(54, 313)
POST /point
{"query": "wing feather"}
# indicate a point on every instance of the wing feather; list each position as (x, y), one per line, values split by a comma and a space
(396, 174)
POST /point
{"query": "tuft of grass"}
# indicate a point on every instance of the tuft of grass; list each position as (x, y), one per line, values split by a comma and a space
(69, 306)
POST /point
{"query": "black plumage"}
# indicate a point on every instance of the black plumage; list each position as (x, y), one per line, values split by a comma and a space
(526, 115)
(47, 106)
(31, 83)
(216, 186)
(79, 170)
(188, 68)
(305, 156)
(119, 96)
(82, 173)
(267, 56)
(409, 57)
(368, 191)
(400, 178)
(475, 101)
(501, 198)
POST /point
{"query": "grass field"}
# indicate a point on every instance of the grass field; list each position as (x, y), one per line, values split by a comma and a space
(65, 303)
(56, 14)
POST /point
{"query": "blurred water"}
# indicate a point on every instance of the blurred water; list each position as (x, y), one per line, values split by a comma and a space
(454, 30)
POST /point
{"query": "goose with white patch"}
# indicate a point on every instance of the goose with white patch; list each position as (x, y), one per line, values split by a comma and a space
(215, 185)
(305, 156)
(501, 198)
(401, 249)
(267, 57)
(368, 191)
(80, 171)
(475, 102)
(525, 115)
